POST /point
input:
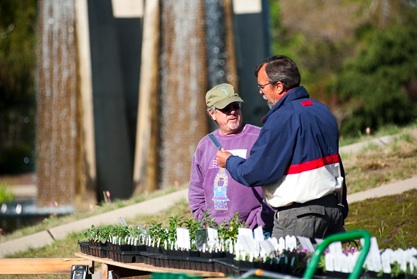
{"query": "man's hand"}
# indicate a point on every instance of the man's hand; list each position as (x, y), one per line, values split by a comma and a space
(222, 156)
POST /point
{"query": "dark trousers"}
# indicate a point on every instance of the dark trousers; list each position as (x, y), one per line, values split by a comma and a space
(314, 219)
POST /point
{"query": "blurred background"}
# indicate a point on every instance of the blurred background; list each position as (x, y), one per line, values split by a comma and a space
(105, 99)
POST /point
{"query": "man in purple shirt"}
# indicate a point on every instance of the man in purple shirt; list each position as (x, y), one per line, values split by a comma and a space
(211, 188)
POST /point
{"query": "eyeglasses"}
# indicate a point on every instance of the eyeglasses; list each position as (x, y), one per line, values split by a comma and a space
(262, 86)
(230, 107)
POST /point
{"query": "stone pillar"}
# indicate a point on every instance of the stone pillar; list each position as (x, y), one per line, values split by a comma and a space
(57, 127)
(183, 84)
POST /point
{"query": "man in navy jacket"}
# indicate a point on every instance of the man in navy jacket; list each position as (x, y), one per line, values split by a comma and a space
(296, 156)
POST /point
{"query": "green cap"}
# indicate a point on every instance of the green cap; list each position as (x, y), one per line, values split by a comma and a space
(221, 95)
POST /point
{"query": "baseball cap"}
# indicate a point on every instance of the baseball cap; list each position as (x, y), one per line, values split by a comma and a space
(221, 95)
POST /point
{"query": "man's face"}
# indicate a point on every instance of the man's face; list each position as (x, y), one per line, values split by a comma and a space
(267, 89)
(229, 118)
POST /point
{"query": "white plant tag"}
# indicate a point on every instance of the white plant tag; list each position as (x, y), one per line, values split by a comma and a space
(401, 258)
(344, 263)
(351, 261)
(274, 242)
(281, 244)
(245, 231)
(212, 237)
(336, 248)
(291, 243)
(329, 262)
(305, 243)
(386, 257)
(247, 243)
(183, 239)
(373, 260)
(287, 242)
(258, 234)
(266, 247)
(337, 263)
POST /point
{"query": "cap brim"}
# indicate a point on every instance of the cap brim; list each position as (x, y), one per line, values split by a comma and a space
(223, 103)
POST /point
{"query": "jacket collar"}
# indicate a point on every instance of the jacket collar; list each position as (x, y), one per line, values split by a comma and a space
(298, 92)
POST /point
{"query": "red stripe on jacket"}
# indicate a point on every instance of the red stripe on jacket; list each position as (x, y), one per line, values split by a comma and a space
(315, 164)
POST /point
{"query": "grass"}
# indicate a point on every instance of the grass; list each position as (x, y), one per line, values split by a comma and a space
(390, 219)
(6, 194)
(385, 131)
(378, 165)
(53, 221)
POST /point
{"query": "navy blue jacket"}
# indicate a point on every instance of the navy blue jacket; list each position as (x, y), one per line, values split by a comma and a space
(296, 156)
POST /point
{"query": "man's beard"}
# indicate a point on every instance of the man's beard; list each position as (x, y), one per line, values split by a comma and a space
(270, 105)
(233, 127)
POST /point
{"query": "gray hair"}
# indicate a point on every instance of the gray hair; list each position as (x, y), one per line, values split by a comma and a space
(281, 68)
(211, 109)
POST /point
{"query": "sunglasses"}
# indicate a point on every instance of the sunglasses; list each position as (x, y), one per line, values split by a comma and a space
(230, 107)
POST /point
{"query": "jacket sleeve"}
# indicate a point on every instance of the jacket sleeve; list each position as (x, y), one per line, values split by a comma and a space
(196, 197)
(270, 156)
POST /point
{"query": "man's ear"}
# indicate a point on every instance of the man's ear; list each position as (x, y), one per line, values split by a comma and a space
(211, 114)
(280, 88)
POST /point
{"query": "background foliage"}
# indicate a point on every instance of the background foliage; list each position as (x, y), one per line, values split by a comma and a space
(358, 57)
(381, 80)
(17, 90)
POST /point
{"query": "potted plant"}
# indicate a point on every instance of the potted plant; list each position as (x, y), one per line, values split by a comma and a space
(96, 239)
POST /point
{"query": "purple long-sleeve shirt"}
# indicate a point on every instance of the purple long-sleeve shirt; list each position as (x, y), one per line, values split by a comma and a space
(212, 188)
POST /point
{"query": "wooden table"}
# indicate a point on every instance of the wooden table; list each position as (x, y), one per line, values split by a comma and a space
(136, 269)
(41, 265)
